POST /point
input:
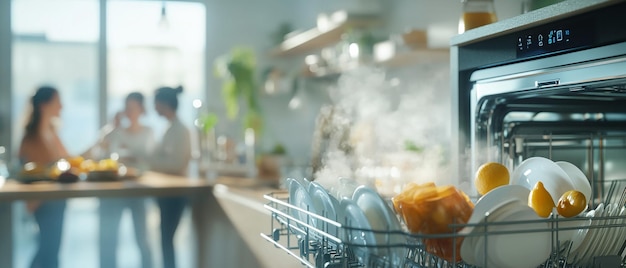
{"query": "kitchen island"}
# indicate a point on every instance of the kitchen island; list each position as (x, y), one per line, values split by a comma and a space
(227, 214)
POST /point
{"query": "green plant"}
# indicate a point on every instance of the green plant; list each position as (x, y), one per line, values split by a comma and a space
(410, 146)
(208, 122)
(237, 69)
(278, 149)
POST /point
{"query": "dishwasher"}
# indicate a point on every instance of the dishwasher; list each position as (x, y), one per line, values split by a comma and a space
(550, 83)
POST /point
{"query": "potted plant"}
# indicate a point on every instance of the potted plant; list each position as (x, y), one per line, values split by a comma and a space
(237, 70)
(269, 165)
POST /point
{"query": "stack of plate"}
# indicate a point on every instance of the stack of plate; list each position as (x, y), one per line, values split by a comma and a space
(366, 210)
(594, 241)
(482, 247)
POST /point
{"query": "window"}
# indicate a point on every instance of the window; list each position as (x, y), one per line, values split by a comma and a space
(55, 43)
(164, 48)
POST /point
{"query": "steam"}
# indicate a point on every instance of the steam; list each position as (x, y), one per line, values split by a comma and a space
(374, 121)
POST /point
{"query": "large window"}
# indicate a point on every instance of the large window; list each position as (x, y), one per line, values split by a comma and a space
(55, 43)
(149, 44)
(163, 48)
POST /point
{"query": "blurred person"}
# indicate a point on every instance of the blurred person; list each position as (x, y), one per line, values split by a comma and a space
(133, 144)
(42, 146)
(171, 156)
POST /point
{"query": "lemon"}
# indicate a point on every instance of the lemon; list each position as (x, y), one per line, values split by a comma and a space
(489, 176)
(88, 165)
(571, 204)
(540, 200)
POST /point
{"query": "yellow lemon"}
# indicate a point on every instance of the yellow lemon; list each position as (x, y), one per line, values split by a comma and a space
(571, 204)
(107, 165)
(88, 165)
(75, 161)
(540, 200)
(489, 176)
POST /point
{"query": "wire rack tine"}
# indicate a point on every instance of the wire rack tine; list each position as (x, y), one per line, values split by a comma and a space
(622, 199)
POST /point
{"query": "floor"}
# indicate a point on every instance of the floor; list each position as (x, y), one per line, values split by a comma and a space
(79, 247)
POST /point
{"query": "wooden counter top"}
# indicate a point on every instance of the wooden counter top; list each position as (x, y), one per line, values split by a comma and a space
(150, 184)
(212, 225)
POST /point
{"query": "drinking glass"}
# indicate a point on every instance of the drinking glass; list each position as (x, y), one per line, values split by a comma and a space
(476, 13)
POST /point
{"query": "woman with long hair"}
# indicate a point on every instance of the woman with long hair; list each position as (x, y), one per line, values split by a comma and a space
(42, 146)
(171, 156)
(132, 142)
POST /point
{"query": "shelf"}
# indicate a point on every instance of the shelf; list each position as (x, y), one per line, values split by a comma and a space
(316, 38)
(397, 60)
(418, 56)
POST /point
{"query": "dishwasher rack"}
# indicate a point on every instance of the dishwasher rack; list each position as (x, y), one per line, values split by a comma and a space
(317, 247)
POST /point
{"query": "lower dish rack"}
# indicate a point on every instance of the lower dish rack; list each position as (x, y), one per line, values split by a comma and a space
(321, 242)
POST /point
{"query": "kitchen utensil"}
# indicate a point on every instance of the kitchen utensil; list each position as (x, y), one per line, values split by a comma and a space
(351, 215)
(299, 197)
(535, 169)
(577, 177)
(381, 218)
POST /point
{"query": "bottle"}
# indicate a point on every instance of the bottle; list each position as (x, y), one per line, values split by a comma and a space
(476, 13)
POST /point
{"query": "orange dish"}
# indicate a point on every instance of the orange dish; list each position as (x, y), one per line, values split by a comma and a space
(430, 209)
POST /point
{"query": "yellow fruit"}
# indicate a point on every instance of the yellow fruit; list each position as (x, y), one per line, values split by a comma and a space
(571, 204)
(76, 161)
(540, 200)
(490, 176)
(54, 172)
(31, 168)
(88, 165)
(107, 165)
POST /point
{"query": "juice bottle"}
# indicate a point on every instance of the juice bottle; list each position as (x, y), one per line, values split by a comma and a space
(476, 13)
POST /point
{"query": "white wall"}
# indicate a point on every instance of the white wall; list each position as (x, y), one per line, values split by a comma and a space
(249, 22)
(235, 23)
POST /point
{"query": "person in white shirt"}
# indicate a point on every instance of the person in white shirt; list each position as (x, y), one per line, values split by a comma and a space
(132, 143)
(171, 156)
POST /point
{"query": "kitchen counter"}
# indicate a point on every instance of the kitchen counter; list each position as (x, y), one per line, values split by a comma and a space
(227, 214)
(530, 19)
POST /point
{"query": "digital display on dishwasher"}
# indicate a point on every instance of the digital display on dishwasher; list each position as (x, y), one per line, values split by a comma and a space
(553, 38)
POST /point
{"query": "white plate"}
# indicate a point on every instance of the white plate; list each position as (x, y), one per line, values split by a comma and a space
(381, 218)
(602, 239)
(620, 234)
(576, 257)
(325, 206)
(579, 235)
(611, 233)
(487, 205)
(472, 248)
(503, 250)
(596, 243)
(577, 177)
(494, 199)
(351, 215)
(576, 253)
(299, 197)
(535, 169)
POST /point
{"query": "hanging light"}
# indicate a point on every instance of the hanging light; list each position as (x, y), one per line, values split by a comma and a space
(164, 24)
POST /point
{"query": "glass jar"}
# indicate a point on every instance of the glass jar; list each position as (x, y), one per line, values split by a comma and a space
(476, 13)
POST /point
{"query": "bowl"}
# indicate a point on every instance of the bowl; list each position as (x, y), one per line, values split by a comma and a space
(536, 169)
(577, 177)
